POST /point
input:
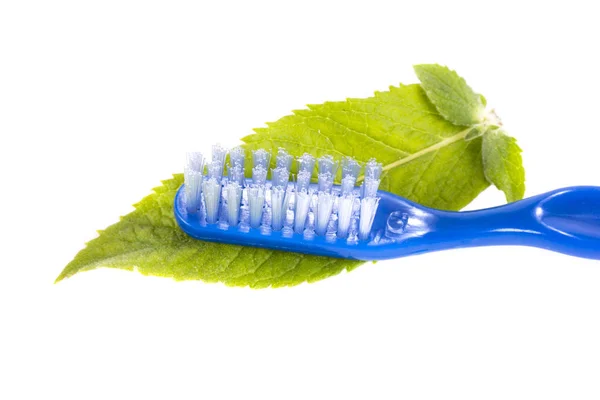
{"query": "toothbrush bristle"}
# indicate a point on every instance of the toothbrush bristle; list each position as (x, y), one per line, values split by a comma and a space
(236, 157)
(259, 175)
(325, 182)
(350, 171)
(194, 161)
(373, 169)
(346, 204)
(215, 170)
(306, 162)
(348, 183)
(193, 176)
(284, 159)
(234, 198)
(327, 164)
(278, 207)
(350, 167)
(212, 197)
(280, 177)
(303, 199)
(303, 181)
(235, 174)
(261, 157)
(256, 202)
(325, 204)
(218, 155)
(368, 207)
(334, 212)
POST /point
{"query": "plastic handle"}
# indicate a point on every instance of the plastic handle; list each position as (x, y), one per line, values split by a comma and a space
(564, 220)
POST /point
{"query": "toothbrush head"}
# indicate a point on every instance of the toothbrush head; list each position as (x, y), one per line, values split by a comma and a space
(281, 213)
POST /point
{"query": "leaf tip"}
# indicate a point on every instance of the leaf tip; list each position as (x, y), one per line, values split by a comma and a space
(60, 277)
(418, 67)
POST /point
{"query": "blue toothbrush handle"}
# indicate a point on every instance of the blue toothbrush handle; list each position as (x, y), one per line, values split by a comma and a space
(564, 220)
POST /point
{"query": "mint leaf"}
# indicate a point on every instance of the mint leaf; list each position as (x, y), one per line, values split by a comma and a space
(503, 165)
(149, 241)
(426, 159)
(453, 98)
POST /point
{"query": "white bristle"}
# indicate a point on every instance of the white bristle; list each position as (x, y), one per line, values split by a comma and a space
(194, 161)
(215, 170)
(368, 208)
(302, 181)
(350, 171)
(326, 164)
(373, 169)
(259, 175)
(261, 157)
(370, 187)
(283, 159)
(212, 196)
(278, 211)
(280, 177)
(306, 162)
(219, 153)
(236, 157)
(236, 174)
(256, 202)
(302, 206)
(325, 182)
(234, 198)
(323, 213)
(345, 208)
(223, 207)
(193, 189)
(193, 176)
(348, 184)
(287, 200)
(350, 167)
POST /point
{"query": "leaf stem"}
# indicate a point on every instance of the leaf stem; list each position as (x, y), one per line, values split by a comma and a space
(446, 142)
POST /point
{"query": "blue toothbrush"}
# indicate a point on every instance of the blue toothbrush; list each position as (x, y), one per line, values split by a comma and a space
(365, 223)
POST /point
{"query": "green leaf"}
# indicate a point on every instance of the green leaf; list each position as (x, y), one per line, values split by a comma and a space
(453, 98)
(149, 240)
(503, 165)
(425, 157)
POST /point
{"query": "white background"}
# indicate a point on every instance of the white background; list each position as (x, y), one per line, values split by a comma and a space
(98, 102)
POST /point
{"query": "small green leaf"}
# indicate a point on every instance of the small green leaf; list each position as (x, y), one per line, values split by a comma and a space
(453, 98)
(503, 165)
